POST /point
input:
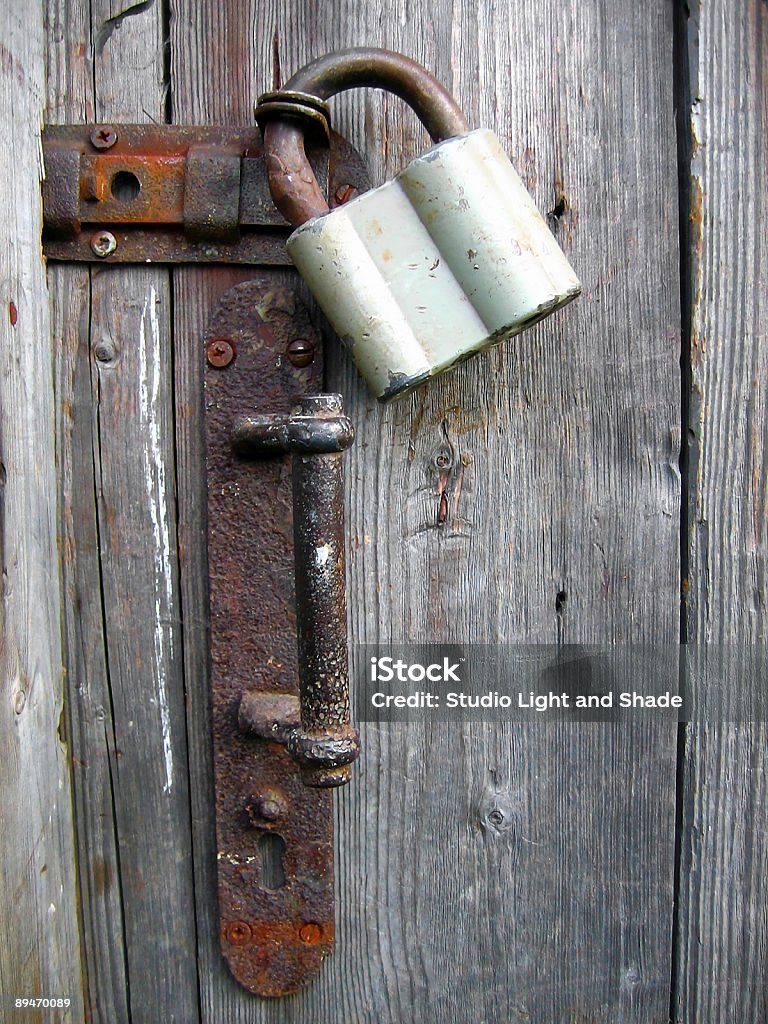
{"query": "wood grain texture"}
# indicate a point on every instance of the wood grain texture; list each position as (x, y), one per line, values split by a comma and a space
(39, 937)
(497, 873)
(723, 915)
(121, 611)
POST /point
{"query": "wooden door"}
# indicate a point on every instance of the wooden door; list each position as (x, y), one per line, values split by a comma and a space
(484, 873)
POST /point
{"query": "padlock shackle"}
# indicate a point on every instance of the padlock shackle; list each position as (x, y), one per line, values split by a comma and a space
(361, 67)
(292, 183)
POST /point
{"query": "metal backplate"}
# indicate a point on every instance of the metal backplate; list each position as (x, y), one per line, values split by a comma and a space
(274, 834)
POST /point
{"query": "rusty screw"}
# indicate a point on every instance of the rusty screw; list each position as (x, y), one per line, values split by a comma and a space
(103, 243)
(104, 137)
(268, 805)
(346, 192)
(238, 932)
(301, 352)
(310, 933)
(220, 352)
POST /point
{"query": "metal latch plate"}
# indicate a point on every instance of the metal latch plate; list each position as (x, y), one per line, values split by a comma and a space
(173, 193)
(275, 932)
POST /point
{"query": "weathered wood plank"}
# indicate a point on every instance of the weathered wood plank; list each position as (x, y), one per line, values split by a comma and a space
(70, 99)
(39, 934)
(723, 913)
(564, 528)
(85, 656)
(122, 612)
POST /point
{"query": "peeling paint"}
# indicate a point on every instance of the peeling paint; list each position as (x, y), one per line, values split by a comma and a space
(322, 554)
(157, 498)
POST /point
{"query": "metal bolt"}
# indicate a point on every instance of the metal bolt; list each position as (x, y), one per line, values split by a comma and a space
(346, 192)
(310, 933)
(301, 352)
(103, 243)
(104, 137)
(220, 352)
(268, 805)
(238, 932)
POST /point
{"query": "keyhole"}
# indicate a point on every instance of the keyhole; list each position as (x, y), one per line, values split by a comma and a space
(272, 848)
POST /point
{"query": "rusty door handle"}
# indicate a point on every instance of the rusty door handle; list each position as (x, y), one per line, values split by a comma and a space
(317, 732)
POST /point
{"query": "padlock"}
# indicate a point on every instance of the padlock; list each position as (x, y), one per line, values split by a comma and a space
(447, 259)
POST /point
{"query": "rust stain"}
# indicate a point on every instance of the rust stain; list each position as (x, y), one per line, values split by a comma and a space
(528, 169)
(442, 511)
(13, 313)
(102, 875)
(563, 218)
(464, 462)
(443, 463)
(465, 421)
(416, 422)
(696, 219)
(696, 215)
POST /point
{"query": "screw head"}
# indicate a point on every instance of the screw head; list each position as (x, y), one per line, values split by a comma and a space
(103, 137)
(220, 352)
(238, 932)
(310, 933)
(103, 244)
(344, 193)
(269, 805)
(301, 352)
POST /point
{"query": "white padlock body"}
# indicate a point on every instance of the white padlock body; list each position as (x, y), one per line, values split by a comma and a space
(449, 257)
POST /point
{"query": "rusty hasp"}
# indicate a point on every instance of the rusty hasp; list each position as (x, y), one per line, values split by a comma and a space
(277, 926)
(173, 193)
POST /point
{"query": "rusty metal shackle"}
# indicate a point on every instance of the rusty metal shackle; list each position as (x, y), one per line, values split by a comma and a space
(292, 182)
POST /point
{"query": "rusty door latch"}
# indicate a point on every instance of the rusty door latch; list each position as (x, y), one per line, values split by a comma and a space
(175, 193)
(281, 716)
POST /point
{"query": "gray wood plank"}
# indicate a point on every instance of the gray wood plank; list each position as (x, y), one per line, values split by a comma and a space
(723, 913)
(93, 747)
(39, 931)
(122, 612)
(557, 908)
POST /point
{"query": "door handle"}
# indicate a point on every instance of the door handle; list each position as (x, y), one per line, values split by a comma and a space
(318, 734)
